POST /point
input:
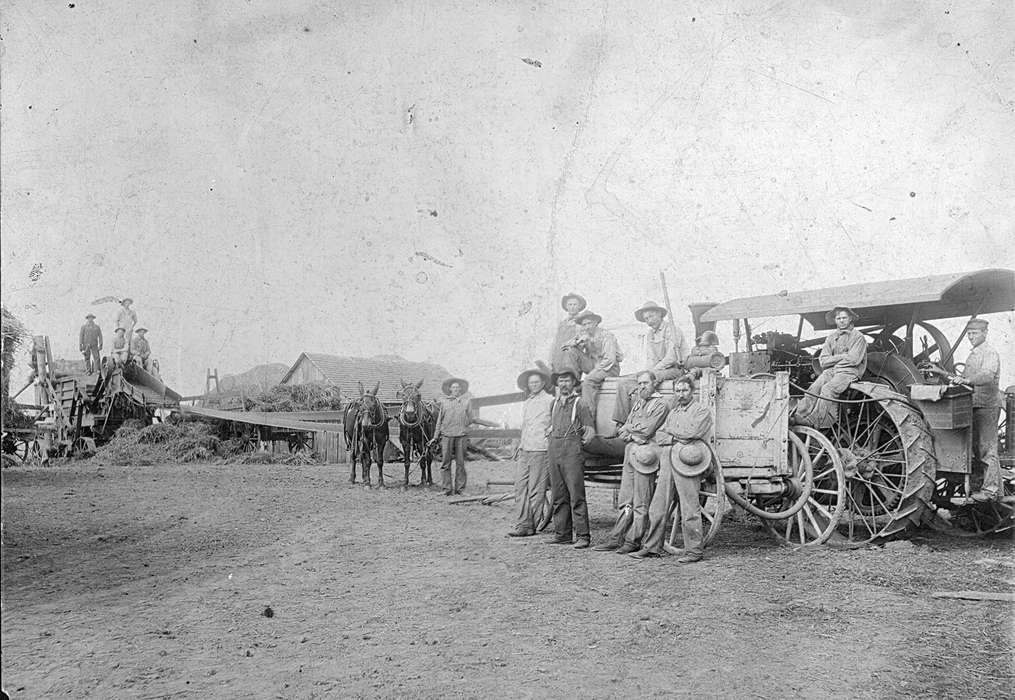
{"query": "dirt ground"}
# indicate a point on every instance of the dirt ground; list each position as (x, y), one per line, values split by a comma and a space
(152, 582)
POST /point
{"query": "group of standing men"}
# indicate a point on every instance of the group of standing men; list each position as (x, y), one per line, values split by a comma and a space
(665, 453)
(129, 344)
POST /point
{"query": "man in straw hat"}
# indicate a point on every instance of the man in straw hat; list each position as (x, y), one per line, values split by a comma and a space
(140, 350)
(571, 425)
(532, 475)
(126, 317)
(561, 359)
(90, 342)
(596, 353)
(982, 372)
(665, 352)
(121, 347)
(683, 460)
(843, 360)
(640, 466)
(453, 421)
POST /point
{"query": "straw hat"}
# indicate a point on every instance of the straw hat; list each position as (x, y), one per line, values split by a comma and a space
(690, 460)
(645, 459)
(588, 314)
(639, 313)
(523, 379)
(571, 295)
(446, 386)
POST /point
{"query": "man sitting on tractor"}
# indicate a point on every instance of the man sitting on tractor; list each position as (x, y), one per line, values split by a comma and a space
(140, 350)
(596, 353)
(665, 351)
(121, 348)
(843, 361)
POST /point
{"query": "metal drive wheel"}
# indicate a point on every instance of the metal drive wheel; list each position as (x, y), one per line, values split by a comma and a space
(817, 520)
(888, 456)
(712, 499)
(797, 484)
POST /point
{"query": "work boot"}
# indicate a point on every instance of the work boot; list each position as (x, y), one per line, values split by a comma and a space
(644, 554)
(558, 540)
(628, 548)
(689, 559)
(521, 533)
(607, 546)
(582, 542)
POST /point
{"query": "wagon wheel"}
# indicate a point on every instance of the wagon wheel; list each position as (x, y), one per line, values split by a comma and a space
(817, 520)
(889, 462)
(82, 445)
(15, 446)
(779, 506)
(298, 442)
(712, 498)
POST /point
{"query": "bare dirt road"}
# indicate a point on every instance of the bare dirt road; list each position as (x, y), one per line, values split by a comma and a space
(154, 582)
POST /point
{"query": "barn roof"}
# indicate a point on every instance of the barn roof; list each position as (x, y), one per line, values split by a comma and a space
(345, 372)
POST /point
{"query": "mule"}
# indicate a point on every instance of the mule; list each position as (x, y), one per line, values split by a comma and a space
(366, 434)
(417, 420)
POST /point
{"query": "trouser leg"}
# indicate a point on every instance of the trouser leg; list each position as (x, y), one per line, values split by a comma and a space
(985, 448)
(659, 510)
(625, 500)
(530, 489)
(461, 478)
(642, 499)
(592, 383)
(522, 506)
(558, 490)
(688, 489)
(622, 408)
(88, 360)
(574, 477)
(447, 454)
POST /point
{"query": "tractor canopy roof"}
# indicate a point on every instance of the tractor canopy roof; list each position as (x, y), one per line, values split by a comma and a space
(899, 301)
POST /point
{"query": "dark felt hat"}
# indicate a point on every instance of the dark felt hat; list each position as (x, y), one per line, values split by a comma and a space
(89, 315)
(588, 314)
(557, 375)
(571, 295)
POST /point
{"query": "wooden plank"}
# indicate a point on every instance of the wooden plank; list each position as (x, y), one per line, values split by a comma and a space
(976, 595)
(277, 420)
(498, 399)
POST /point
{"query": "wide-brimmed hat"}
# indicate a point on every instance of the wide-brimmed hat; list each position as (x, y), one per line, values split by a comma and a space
(119, 328)
(645, 459)
(127, 299)
(142, 329)
(89, 315)
(571, 295)
(523, 379)
(639, 313)
(557, 375)
(446, 385)
(978, 324)
(830, 316)
(710, 337)
(692, 459)
(588, 314)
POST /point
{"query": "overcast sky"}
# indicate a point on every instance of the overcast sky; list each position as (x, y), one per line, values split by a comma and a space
(427, 178)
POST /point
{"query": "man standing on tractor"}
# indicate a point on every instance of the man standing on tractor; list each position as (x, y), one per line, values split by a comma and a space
(596, 353)
(639, 474)
(571, 425)
(90, 340)
(843, 360)
(982, 372)
(684, 459)
(561, 359)
(126, 317)
(665, 352)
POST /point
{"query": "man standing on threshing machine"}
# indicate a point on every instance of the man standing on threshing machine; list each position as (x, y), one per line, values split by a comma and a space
(596, 353)
(121, 348)
(571, 424)
(843, 360)
(532, 477)
(665, 351)
(126, 317)
(140, 350)
(560, 359)
(640, 466)
(90, 340)
(684, 458)
(982, 373)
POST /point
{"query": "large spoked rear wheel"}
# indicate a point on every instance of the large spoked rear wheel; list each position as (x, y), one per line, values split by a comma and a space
(712, 499)
(888, 456)
(825, 502)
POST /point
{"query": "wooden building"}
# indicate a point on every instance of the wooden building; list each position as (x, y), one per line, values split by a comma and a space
(345, 372)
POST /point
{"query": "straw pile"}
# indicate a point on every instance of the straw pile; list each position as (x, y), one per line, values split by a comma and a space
(297, 397)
